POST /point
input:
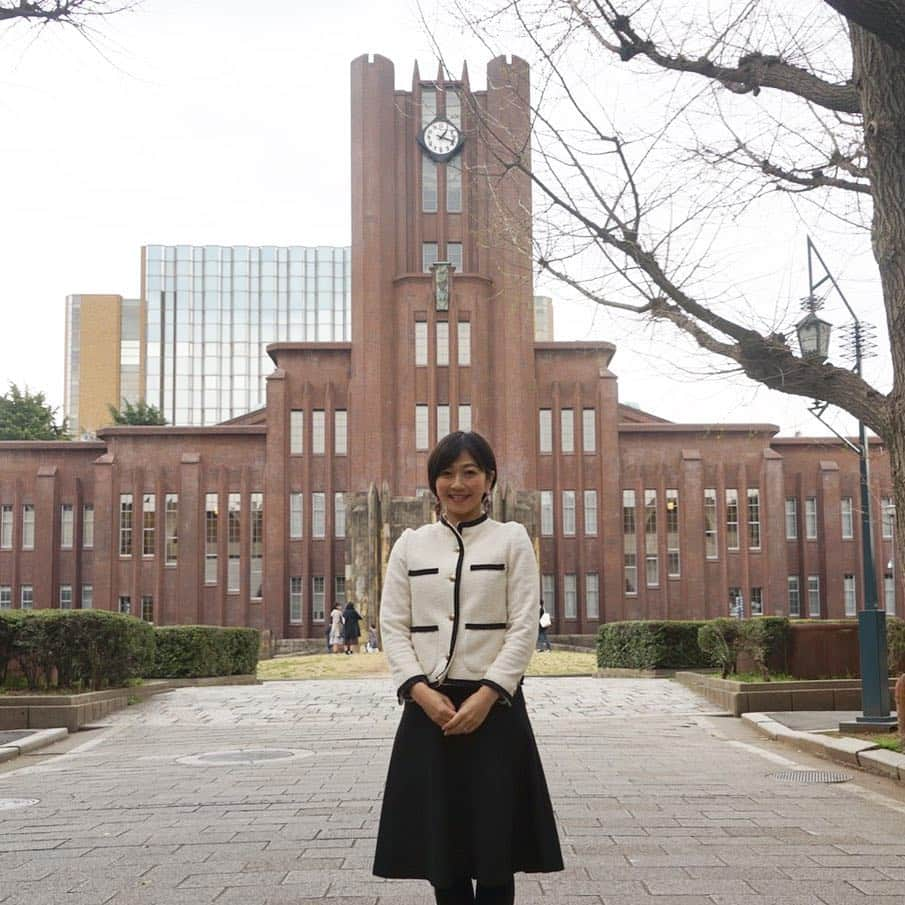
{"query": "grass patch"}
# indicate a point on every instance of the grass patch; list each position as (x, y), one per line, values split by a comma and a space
(368, 666)
(757, 677)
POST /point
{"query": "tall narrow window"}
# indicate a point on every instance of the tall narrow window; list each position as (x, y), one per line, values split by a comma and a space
(317, 598)
(339, 589)
(88, 526)
(148, 524)
(171, 528)
(428, 187)
(125, 604)
(296, 502)
(546, 513)
(297, 432)
(753, 518)
(465, 418)
(731, 519)
(791, 518)
(673, 566)
(87, 596)
(810, 518)
(26, 597)
(428, 255)
(589, 430)
(340, 432)
(256, 547)
(6, 597)
(570, 595)
(454, 255)
(889, 594)
(545, 426)
(421, 427)
(428, 106)
(757, 601)
(442, 343)
(442, 421)
(711, 546)
(592, 595)
(888, 516)
(295, 599)
(590, 513)
(814, 595)
(339, 514)
(147, 608)
(651, 555)
(568, 513)
(125, 524)
(464, 344)
(65, 596)
(211, 518)
(28, 527)
(629, 542)
(6, 527)
(318, 514)
(567, 430)
(736, 603)
(848, 594)
(454, 193)
(848, 517)
(453, 108)
(420, 344)
(233, 542)
(548, 593)
(318, 432)
(66, 526)
(794, 596)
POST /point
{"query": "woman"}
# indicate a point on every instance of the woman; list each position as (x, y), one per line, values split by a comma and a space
(351, 631)
(465, 794)
(336, 628)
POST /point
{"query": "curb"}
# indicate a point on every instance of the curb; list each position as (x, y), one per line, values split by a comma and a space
(40, 738)
(849, 751)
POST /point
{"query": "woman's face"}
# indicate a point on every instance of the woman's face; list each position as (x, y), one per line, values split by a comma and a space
(461, 488)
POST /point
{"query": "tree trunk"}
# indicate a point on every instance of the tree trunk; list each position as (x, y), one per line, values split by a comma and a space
(879, 71)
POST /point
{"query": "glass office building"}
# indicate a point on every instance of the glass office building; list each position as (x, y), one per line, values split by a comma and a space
(211, 311)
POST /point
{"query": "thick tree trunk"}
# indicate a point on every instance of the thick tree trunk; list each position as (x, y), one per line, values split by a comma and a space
(879, 70)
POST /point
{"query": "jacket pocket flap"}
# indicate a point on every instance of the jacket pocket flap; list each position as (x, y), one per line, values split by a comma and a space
(487, 567)
(414, 572)
(424, 628)
(485, 625)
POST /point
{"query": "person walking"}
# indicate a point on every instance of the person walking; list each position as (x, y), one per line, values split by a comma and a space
(466, 798)
(351, 630)
(336, 628)
(543, 623)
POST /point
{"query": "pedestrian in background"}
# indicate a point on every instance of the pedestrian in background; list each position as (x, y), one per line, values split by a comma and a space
(465, 798)
(336, 628)
(351, 630)
(543, 623)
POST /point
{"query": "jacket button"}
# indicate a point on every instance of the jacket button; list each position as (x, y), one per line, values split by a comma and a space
(452, 617)
(452, 577)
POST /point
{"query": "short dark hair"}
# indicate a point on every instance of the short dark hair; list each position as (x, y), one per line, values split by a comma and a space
(451, 447)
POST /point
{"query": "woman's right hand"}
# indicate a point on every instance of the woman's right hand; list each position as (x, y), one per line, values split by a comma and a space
(439, 708)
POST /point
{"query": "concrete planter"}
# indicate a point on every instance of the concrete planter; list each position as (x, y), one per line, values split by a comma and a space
(758, 697)
(73, 711)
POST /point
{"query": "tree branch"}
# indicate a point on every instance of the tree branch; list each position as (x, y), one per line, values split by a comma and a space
(882, 17)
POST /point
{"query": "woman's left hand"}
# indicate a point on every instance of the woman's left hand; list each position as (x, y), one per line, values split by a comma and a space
(471, 715)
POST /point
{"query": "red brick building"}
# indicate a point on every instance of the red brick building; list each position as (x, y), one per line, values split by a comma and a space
(267, 519)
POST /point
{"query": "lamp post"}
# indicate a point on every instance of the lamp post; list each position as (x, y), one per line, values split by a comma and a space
(814, 340)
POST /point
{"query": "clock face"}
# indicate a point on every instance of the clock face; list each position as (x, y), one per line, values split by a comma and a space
(441, 138)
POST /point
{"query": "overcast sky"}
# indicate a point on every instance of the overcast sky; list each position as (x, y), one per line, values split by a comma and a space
(204, 122)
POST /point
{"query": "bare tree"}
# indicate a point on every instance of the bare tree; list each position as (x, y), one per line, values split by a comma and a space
(80, 16)
(806, 99)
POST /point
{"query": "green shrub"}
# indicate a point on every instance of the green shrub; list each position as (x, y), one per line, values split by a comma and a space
(763, 640)
(649, 645)
(895, 644)
(194, 651)
(9, 627)
(718, 641)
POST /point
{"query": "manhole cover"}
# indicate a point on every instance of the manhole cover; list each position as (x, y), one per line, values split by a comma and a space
(9, 804)
(810, 776)
(244, 756)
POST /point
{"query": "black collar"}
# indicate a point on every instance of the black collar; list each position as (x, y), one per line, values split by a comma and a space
(476, 521)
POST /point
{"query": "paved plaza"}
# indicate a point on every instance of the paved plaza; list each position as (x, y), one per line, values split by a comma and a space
(270, 794)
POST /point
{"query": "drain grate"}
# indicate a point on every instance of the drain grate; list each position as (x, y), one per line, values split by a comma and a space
(811, 776)
(9, 804)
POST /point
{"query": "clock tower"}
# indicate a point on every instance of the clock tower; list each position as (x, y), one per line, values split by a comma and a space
(442, 302)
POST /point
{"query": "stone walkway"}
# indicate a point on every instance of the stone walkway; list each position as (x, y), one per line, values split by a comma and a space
(657, 800)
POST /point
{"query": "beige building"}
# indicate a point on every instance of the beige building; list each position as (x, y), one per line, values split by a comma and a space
(543, 319)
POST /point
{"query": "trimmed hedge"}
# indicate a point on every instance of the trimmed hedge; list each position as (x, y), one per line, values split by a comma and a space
(649, 645)
(895, 644)
(196, 651)
(75, 648)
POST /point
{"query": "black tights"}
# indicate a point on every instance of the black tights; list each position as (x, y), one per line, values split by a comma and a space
(464, 894)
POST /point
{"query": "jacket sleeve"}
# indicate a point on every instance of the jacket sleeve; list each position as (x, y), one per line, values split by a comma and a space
(523, 603)
(396, 621)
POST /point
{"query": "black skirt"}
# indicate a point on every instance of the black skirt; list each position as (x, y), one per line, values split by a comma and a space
(466, 805)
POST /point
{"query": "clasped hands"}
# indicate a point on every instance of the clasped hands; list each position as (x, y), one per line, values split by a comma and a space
(441, 710)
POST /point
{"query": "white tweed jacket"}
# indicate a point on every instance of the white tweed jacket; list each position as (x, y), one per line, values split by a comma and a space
(461, 604)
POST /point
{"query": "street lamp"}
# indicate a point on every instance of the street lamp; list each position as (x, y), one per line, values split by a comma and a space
(814, 340)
